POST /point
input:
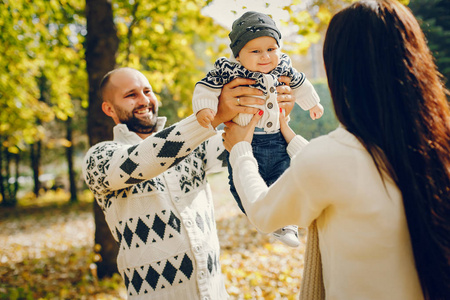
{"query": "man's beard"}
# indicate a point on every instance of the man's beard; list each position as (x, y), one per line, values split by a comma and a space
(141, 125)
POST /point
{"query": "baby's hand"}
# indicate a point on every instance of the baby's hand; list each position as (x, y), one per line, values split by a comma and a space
(205, 117)
(316, 112)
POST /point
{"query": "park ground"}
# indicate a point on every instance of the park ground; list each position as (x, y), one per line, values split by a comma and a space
(46, 253)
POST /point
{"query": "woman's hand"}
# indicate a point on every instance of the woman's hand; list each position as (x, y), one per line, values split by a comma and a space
(234, 98)
(285, 96)
(286, 131)
(233, 133)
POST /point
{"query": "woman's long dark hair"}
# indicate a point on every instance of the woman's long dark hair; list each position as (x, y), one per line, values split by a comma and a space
(387, 91)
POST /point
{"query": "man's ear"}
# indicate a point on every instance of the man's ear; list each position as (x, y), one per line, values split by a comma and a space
(107, 108)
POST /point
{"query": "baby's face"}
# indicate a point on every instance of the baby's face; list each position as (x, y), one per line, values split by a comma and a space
(260, 55)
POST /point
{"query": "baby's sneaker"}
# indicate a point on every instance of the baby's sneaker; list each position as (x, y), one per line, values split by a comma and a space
(288, 235)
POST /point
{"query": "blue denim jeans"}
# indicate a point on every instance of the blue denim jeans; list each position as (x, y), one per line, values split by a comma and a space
(271, 155)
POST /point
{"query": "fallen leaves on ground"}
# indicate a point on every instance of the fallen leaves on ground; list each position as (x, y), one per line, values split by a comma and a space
(255, 265)
(46, 253)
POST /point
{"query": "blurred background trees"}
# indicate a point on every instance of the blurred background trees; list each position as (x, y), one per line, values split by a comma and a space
(55, 52)
(435, 22)
(42, 79)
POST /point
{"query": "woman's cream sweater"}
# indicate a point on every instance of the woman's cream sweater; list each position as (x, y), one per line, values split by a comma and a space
(363, 236)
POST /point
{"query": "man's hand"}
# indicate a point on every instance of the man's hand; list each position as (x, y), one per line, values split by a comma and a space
(234, 98)
(234, 133)
(285, 96)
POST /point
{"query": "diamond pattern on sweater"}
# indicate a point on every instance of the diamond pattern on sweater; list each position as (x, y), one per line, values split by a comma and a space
(151, 228)
(170, 149)
(210, 264)
(174, 222)
(128, 166)
(169, 155)
(163, 134)
(159, 226)
(216, 263)
(132, 233)
(126, 280)
(158, 275)
(142, 230)
(213, 264)
(169, 272)
(136, 281)
(152, 277)
(186, 266)
(199, 221)
(119, 235)
(223, 157)
(128, 235)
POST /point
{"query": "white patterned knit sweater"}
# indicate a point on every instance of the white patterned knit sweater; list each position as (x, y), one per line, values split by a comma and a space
(159, 208)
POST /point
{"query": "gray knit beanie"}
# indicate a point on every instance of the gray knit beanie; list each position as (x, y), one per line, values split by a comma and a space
(249, 26)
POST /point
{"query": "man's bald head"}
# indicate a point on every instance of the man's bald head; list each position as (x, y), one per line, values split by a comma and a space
(106, 80)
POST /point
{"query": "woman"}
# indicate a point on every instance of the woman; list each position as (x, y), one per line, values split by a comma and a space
(378, 187)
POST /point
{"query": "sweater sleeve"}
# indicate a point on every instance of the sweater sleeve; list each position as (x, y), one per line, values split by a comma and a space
(110, 166)
(205, 97)
(296, 145)
(208, 89)
(304, 92)
(288, 201)
(306, 96)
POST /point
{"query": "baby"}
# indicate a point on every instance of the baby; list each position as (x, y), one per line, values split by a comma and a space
(255, 43)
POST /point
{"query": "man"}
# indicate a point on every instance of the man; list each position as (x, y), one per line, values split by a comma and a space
(151, 184)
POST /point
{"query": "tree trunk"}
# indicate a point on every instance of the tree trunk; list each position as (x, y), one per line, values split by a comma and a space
(69, 155)
(16, 177)
(101, 48)
(35, 156)
(8, 190)
(2, 178)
